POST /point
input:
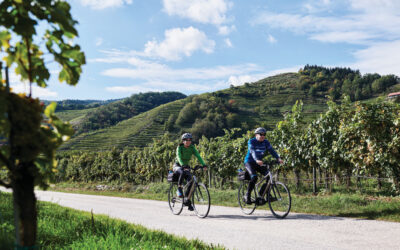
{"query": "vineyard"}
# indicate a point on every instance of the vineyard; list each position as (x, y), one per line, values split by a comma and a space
(349, 140)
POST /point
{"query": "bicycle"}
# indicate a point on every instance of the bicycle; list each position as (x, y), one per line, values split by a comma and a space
(198, 196)
(273, 192)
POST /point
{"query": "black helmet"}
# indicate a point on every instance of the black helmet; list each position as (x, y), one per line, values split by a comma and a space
(186, 136)
(260, 131)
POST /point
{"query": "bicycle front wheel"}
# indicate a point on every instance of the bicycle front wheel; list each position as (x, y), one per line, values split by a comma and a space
(246, 208)
(279, 200)
(175, 203)
(201, 200)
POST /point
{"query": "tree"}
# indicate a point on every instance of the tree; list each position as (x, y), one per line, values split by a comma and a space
(28, 155)
(288, 138)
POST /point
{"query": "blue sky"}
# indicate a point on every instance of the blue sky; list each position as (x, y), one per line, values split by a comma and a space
(197, 46)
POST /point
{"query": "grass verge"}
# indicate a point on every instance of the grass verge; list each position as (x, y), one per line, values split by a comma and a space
(353, 205)
(64, 228)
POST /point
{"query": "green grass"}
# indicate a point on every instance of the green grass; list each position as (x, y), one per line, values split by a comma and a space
(351, 204)
(64, 228)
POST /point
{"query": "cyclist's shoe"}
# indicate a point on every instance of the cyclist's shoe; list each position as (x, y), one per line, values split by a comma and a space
(190, 207)
(179, 192)
(247, 199)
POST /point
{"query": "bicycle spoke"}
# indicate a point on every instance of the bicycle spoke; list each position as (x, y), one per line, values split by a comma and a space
(246, 208)
(279, 200)
(201, 200)
(175, 203)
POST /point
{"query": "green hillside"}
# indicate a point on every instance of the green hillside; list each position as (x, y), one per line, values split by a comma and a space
(134, 132)
(262, 103)
(73, 116)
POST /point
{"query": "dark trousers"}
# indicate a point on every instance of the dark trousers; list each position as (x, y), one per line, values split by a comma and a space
(252, 168)
(183, 175)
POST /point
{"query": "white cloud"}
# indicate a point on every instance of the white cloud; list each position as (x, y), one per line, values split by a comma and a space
(271, 39)
(360, 23)
(99, 41)
(228, 43)
(103, 4)
(240, 80)
(353, 37)
(284, 70)
(237, 80)
(153, 76)
(165, 73)
(36, 91)
(314, 6)
(187, 87)
(132, 89)
(383, 58)
(226, 30)
(374, 24)
(179, 42)
(203, 11)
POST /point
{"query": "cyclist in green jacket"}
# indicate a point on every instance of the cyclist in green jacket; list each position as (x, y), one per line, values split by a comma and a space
(184, 153)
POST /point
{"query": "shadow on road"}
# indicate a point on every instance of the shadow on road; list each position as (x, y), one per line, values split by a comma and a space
(271, 217)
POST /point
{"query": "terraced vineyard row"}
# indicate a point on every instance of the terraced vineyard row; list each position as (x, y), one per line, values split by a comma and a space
(134, 132)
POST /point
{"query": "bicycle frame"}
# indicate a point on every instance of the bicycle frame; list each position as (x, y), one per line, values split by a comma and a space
(194, 182)
(263, 180)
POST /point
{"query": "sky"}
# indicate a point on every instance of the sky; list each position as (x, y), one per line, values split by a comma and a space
(198, 46)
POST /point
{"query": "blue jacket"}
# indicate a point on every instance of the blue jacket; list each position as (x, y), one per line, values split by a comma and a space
(256, 150)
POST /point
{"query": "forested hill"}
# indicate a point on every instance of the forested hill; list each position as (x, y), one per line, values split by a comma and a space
(262, 103)
(110, 114)
(70, 104)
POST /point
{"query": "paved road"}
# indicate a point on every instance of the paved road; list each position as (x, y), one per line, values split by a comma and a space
(234, 230)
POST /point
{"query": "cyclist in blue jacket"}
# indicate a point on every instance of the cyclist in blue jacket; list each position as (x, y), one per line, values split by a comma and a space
(257, 147)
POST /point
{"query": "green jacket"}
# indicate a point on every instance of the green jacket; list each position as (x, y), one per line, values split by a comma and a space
(183, 155)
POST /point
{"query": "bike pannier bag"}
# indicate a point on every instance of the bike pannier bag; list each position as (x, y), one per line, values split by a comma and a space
(243, 175)
(172, 177)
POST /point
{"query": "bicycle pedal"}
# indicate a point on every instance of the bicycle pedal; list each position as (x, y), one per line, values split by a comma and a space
(272, 199)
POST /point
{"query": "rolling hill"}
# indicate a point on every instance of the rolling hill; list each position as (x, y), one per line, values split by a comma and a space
(253, 104)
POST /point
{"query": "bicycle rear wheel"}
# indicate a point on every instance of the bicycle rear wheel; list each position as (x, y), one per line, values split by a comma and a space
(246, 208)
(279, 200)
(175, 203)
(201, 200)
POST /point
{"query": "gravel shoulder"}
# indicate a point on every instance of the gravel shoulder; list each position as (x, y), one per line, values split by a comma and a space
(227, 226)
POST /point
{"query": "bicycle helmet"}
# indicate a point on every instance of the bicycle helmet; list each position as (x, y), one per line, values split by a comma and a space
(186, 136)
(260, 131)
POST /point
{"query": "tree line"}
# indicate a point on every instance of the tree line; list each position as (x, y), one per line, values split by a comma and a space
(205, 115)
(338, 81)
(349, 139)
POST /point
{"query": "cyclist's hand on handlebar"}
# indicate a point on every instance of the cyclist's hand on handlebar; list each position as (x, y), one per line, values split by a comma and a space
(259, 162)
(280, 161)
(205, 167)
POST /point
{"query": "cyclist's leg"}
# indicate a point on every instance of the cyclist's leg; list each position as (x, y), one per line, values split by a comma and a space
(264, 171)
(188, 177)
(178, 169)
(250, 167)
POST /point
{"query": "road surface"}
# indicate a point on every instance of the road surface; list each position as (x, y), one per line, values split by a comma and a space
(230, 228)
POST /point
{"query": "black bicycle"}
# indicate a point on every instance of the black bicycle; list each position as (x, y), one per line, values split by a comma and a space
(198, 196)
(267, 190)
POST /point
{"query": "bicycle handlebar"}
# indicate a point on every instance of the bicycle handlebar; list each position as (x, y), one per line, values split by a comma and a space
(195, 168)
